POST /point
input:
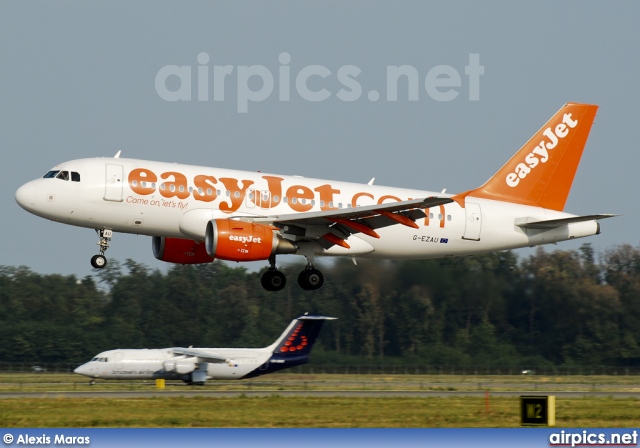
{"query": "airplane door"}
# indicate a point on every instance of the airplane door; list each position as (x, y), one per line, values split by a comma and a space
(473, 223)
(113, 183)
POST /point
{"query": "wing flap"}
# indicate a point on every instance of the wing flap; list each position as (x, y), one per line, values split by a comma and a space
(383, 220)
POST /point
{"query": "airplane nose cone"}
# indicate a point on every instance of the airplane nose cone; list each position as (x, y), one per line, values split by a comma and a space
(82, 370)
(26, 196)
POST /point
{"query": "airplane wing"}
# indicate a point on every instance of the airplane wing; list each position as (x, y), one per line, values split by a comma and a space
(553, 223)
(202, 356)
(332, 227)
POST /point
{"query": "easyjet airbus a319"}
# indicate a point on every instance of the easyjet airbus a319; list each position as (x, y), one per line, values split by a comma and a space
(196, 214)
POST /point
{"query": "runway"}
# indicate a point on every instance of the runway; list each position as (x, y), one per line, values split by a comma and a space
(310, 393)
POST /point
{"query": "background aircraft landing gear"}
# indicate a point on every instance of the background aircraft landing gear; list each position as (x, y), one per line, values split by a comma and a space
(99, 261)
(273, 280)
(310, 279)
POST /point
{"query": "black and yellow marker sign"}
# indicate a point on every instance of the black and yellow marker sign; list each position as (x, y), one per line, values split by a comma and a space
(538, 410)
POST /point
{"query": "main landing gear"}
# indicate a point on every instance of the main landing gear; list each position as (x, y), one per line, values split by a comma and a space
(99, 261)
(274, 280)
(311, 278)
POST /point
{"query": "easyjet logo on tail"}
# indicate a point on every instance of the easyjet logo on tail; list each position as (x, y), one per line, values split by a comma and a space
(540, 153)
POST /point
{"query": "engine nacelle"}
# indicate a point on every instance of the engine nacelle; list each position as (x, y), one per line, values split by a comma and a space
(179, 366)
(183, 367)
(180, 251)
(233, 240)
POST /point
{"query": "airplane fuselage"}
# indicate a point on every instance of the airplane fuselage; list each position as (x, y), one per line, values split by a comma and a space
(146, 364)
(160, 199)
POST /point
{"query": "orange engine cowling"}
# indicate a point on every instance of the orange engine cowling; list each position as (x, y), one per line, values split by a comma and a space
(177, 250)
(244, 241)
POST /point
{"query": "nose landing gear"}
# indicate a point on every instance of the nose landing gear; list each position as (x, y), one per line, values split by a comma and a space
(99, 261)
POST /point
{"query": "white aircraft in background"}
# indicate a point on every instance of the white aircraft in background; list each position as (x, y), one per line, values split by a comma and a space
(196, 214)
(197, 365)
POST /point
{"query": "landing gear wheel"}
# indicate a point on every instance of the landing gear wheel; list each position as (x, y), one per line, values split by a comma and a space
(98, 261)
(310, 279)
(273, 280)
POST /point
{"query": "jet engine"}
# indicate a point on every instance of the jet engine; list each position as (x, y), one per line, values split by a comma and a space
(234, 240)
(180, 366)
(177, 250)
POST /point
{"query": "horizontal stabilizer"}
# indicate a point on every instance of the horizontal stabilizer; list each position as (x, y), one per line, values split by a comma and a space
(554, 223)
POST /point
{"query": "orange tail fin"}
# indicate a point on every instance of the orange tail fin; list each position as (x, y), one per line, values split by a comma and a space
(542, 171)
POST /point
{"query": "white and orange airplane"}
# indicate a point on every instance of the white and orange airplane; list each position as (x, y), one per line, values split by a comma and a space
(196, 214)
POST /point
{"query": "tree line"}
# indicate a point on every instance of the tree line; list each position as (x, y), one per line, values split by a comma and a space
(560, 308)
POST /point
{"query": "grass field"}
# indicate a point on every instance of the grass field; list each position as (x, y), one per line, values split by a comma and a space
(274, 410)
(293, 412)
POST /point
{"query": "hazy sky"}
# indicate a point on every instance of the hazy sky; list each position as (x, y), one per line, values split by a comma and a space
(78, 79)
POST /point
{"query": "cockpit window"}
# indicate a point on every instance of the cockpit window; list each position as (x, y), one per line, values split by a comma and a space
(63, 175)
